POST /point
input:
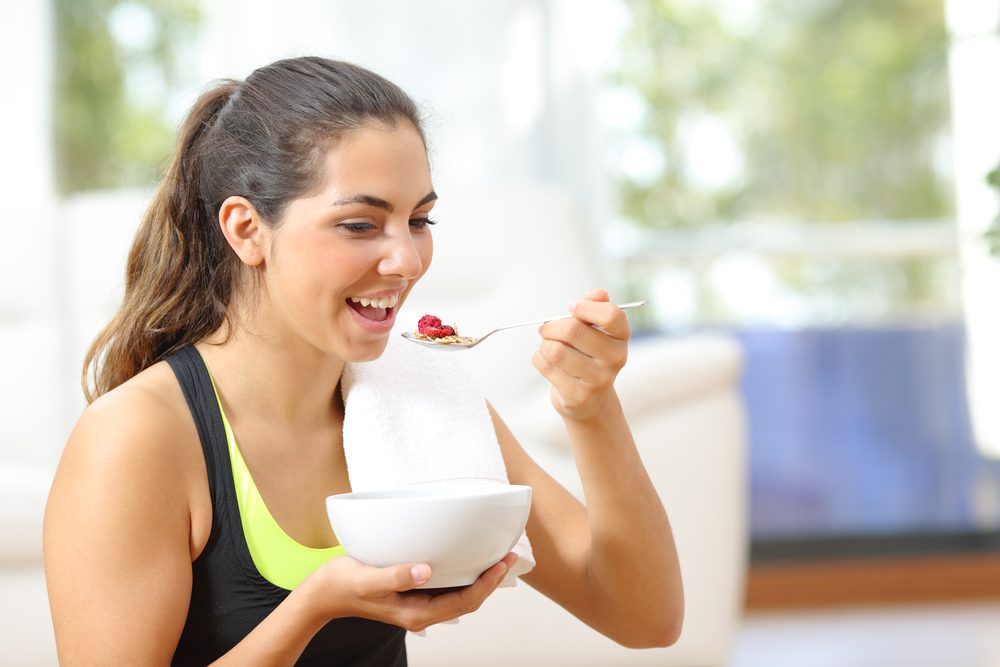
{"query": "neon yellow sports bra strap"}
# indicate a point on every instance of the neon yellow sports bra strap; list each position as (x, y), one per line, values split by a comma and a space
(279, 559)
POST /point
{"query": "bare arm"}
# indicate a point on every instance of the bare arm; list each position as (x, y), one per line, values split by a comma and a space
(613, 563)
(117, 537)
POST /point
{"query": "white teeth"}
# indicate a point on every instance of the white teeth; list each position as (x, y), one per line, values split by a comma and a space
(384, 302)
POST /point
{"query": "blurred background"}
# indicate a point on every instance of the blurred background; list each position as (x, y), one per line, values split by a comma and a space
(815, 178)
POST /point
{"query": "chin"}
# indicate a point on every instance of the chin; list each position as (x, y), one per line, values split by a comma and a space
(367, 352)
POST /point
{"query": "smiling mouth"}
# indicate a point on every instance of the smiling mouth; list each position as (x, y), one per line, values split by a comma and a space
(369, 312)
(376, 310)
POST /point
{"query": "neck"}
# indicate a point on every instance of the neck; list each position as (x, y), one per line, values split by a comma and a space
(282, 381)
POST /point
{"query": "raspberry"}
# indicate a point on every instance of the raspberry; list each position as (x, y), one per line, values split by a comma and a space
(431, 327)
(439, 332)
(428, 321)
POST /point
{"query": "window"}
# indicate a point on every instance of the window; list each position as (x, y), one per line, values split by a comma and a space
(118, 74)
(785, 173)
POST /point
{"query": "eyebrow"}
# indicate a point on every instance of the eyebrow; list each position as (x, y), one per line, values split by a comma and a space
(378, 202)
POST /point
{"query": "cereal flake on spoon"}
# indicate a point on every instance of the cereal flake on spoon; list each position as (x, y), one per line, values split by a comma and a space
(430, 329)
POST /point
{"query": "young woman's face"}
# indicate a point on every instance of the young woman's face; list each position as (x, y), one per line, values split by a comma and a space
(342, 261)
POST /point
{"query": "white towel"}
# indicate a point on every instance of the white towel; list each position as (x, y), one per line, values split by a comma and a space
(417, 416)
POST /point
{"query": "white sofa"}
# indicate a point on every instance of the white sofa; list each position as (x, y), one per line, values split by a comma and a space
(516, 259)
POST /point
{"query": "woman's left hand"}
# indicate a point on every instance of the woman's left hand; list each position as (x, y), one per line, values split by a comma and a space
(581, 356)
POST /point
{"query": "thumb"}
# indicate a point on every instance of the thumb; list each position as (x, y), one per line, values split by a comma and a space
(380, 581)
(406, 577)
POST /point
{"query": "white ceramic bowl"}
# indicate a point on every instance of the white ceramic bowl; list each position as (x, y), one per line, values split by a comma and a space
(460, 530)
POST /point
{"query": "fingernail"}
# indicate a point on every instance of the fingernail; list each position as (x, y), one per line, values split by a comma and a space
(420, 573)
(503, 569)
(571, 305)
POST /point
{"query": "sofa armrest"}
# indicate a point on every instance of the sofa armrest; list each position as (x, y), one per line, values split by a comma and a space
(662, 373)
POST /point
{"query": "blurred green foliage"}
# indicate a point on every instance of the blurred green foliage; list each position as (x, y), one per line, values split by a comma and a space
(837, 106)
(112, 88)
(993, 235)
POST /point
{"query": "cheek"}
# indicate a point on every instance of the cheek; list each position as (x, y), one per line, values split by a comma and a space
(313, 269)
(426, 251)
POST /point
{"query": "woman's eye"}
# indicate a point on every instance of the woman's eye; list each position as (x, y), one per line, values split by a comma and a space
(421, 223)
(356, 227)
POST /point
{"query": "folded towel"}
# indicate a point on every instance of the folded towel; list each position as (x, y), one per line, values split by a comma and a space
(417, 416)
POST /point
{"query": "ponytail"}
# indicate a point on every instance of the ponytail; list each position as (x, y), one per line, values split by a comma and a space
(263, 139)
(177, 277)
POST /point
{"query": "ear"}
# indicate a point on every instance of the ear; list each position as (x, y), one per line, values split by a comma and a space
(243, 229)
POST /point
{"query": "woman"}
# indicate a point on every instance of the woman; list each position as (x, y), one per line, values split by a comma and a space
(293, 195)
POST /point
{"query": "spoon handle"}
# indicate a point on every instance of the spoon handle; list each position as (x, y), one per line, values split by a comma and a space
(562, 316)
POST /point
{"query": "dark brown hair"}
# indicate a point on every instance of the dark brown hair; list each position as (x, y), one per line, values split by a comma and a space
(263, 139)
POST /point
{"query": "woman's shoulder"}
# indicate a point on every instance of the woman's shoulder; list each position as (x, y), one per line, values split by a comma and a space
(151, 401)
(128, 482)
(140, 427)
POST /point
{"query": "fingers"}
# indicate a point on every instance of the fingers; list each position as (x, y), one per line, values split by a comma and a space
(598, 294)
(601, 313)
(571, 396)
(582, 355)
(598, 330)
(589, 342)
(388, 594)
(479, 590)
(571, 389)
(469, 599)
(507, 562)
(425, 610)
(509, 559)
(567, 357)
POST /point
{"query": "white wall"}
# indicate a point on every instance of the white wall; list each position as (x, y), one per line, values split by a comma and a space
(509, 83)
(32, 361)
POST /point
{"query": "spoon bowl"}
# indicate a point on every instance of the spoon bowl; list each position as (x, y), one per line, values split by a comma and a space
(447, 347)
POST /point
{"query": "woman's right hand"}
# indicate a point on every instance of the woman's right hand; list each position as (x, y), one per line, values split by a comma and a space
(347, 587)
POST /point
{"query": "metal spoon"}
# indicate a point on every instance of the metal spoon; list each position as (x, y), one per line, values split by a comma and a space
(408, 335)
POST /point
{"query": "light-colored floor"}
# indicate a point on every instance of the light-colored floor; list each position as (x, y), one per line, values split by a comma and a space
(945, 635)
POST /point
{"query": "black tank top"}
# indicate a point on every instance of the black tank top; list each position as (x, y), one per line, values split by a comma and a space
(229, 596)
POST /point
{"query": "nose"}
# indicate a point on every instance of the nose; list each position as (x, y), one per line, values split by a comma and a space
(402, 256)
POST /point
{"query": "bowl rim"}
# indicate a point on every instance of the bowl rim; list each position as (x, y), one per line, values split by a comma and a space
(431, 493)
